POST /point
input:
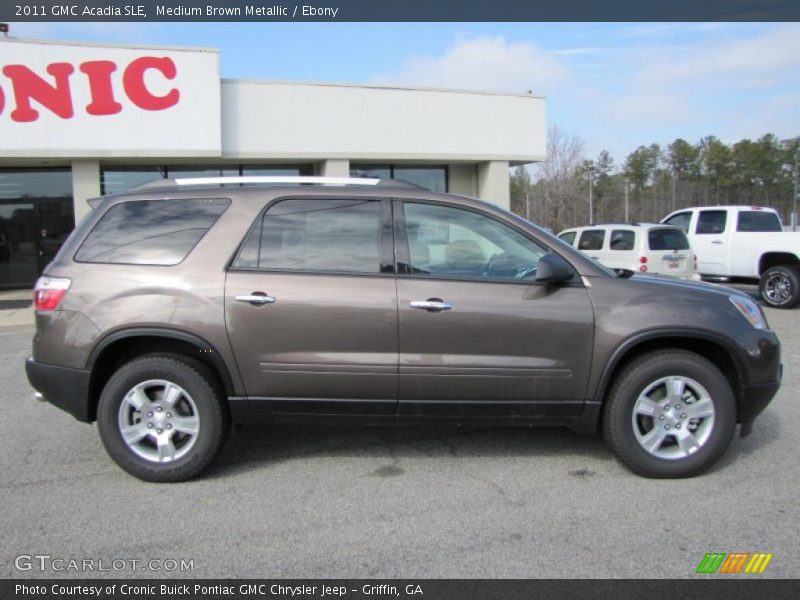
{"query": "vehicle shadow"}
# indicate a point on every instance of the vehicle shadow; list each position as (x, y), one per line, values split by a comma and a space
(766, 430)
(261, 445)
(254, 446)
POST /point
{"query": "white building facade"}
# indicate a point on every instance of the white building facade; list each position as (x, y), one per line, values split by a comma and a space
(81, 120)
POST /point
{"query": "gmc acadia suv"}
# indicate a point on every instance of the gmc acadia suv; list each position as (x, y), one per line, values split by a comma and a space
(177, 307)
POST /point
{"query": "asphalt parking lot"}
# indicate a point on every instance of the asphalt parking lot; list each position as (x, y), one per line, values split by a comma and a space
(334, 502)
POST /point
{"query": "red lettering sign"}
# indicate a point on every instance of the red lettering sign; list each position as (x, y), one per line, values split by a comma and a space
(133, 81)
(99, 73)
(29, 86)
(56, 96)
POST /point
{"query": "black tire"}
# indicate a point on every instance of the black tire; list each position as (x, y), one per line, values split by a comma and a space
(634, 380)
(789, 277)
(209, 404)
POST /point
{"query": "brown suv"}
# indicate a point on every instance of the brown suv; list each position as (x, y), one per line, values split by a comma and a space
(173, 310)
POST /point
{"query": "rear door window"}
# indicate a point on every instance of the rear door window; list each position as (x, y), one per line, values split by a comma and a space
(592, 239)
(317, 235)
(667, 239)
(711, 221)
(756, 220)
(622, 240)
(150, 232)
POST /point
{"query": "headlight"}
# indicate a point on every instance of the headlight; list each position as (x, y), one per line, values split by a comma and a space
(750, 311)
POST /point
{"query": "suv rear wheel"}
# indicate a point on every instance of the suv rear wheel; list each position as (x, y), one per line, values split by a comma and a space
(670, 413)
(162, 418)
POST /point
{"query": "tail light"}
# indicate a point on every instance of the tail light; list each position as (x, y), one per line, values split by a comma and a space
(695, 262)
(643, 268)
(643, 260)
(49, 292)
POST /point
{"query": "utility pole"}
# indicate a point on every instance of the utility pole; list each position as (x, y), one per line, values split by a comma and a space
(673, 191)
(591, 205)
(528, 206)
(627, 215)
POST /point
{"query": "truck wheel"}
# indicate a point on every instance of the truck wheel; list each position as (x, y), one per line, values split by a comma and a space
(161, 418)
(780, 286)
(670, 414)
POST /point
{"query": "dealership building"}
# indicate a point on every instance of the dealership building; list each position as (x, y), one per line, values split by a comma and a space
(82, 120)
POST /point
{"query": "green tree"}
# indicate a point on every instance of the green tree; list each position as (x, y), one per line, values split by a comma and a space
(520, 190)
(717, 167)
(683, 159)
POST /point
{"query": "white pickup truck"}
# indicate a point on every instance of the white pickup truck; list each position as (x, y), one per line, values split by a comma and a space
(745, 242)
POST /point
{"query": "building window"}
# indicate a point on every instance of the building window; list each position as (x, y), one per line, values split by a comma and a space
(35, 183)
(115, 180)
(35, 218)
(432, 177)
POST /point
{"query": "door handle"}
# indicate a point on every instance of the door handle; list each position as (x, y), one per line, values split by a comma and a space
(256, 299)
(432, 305)
(716, 241)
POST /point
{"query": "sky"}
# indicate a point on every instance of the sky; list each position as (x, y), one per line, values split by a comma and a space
(616, 86)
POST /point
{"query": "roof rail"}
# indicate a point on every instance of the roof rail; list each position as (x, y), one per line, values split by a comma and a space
(277, 179)
(631, 223)
(274, 180)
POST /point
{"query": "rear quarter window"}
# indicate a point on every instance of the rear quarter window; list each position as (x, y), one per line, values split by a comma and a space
(622, 240)
(754, 220)
(667, 239)
(150, 232)
(592, 239)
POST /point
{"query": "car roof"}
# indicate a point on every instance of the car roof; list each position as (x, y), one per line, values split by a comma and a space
(725, 207)
(640, 226)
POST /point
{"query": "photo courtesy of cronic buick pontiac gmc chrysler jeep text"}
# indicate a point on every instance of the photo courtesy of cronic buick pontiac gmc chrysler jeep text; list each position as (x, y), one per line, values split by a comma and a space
(180, 306)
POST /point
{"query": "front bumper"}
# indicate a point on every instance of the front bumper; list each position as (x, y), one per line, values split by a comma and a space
(755, 399)
(66, 388)
(762, 375)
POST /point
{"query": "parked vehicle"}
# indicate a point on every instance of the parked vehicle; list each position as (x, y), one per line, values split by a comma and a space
(745, 242)
(644, 248)
(177, 307)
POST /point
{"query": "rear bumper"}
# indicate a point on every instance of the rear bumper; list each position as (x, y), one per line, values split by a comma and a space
(66, 388)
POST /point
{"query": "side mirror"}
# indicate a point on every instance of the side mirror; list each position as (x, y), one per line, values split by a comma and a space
(553, 269)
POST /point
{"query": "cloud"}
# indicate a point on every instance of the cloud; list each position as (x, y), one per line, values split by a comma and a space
(581, 50)
(485, 63)
(760, 60)
(696, 82)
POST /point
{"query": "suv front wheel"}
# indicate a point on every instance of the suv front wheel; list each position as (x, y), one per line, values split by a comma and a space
(162, 418)
(670, 413)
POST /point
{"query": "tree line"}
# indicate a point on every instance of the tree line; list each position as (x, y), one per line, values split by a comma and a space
(655, 179)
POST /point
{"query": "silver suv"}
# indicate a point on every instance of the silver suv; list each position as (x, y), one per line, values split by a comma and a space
(177, 307)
